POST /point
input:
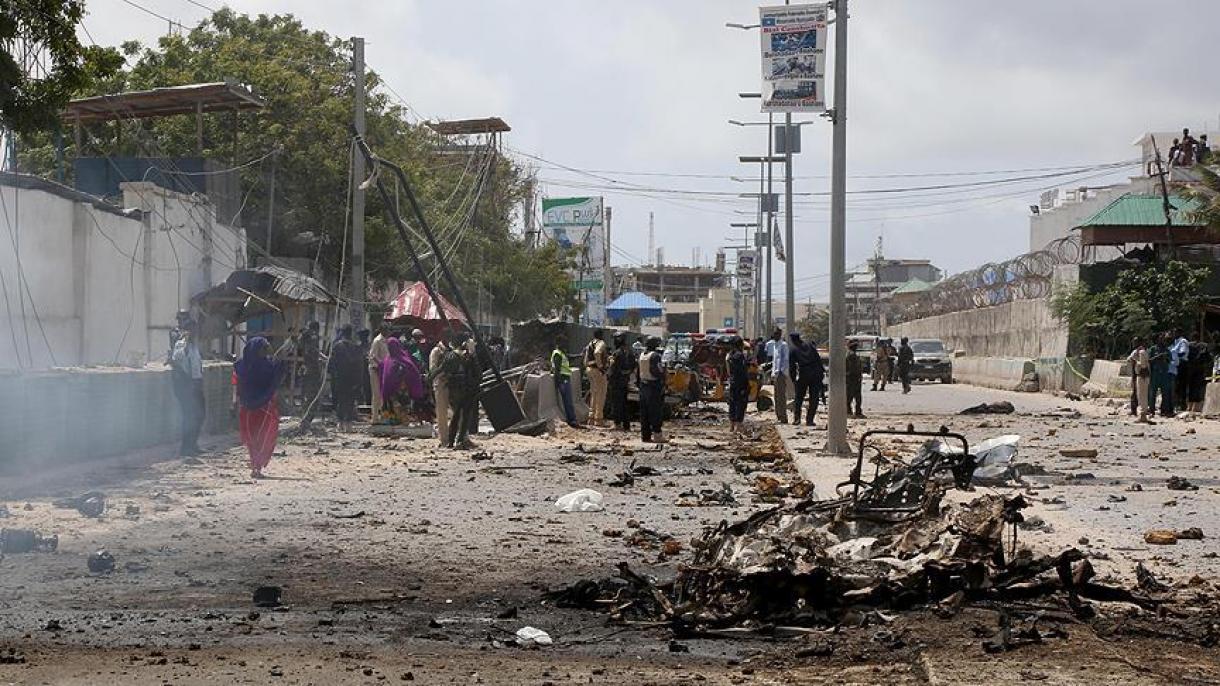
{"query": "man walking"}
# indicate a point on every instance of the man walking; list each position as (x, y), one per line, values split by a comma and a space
(777, 350)
(597, 363)
(906, 358)
(622, 367)
(650, 376)
(187, 377)
(561, 372)
(855, 381)
(440, 390)
(809, 374)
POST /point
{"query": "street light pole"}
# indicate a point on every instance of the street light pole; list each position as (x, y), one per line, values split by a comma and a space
(789, 247)
(836, 434)
(770, 218)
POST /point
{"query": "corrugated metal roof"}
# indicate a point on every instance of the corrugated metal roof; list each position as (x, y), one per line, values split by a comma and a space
(1133, 209)
(913, 286)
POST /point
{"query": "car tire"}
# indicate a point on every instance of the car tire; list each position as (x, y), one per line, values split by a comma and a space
(764, 403)
(946, 379)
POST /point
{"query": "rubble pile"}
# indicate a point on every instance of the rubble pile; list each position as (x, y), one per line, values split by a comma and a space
(891, 545)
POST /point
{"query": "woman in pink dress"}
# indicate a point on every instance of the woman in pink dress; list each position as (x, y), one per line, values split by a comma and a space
(258, 378)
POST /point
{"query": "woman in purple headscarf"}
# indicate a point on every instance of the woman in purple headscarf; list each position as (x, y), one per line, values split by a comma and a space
(400, 374)
(258, 378)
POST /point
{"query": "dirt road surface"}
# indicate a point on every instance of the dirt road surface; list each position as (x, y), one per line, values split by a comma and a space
(402, 563)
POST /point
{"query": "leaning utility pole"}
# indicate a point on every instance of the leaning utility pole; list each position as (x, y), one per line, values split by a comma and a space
(358, 292)
(607, 275)
(836, 434)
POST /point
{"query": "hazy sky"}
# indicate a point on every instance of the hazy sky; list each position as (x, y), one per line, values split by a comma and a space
(648, 87)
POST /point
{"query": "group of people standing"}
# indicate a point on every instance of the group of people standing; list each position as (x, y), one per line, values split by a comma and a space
(610, 371)
(1172, 368)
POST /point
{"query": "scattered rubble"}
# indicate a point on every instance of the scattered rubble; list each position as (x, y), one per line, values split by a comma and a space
(584, 500)
(91, 504)
(1177, 483)
(17, 541)
(101, 562)
(267, 596)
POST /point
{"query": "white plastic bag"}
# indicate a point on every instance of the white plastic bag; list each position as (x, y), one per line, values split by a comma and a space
(528, 636)
(584, 500)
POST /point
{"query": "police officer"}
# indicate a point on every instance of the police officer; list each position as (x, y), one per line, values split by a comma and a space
(650, 375)
(622, 367)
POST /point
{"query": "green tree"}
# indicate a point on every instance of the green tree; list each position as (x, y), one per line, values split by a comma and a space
(815, 327)
(1142, 301)
(43, 63)
(468, 193)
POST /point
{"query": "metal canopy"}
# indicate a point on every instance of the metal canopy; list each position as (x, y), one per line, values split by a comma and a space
(223, 96)
(463, 127)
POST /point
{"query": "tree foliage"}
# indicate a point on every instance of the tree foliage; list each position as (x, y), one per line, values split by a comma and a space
(43, 62)
(1141, 302)
(815, 326)
(306, 80)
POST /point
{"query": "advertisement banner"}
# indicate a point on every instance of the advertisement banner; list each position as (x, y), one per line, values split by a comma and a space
(746, 261)
(793, 58)
(576, 225)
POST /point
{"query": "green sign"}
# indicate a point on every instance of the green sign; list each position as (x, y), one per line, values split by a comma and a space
(589, 285)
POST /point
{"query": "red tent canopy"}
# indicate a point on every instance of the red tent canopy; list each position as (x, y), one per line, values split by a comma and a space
(414, 307)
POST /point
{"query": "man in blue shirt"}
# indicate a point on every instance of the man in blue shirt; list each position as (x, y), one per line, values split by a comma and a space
(777, 350)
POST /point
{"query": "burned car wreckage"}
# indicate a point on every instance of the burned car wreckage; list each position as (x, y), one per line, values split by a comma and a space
(887, 543)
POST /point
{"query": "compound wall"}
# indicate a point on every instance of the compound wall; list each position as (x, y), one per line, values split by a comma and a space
(65, 416)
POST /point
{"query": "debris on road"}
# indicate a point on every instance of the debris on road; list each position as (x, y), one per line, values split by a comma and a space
(17, 541)
(1079, 453)
(1001, 407)
(1194, 533)
(1177, 483)
(267, 596)
(91, 504)
(529, 636)
(1161, 537)
(101, 562)
(584, 500)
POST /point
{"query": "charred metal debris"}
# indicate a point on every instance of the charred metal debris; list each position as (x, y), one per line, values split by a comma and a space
(886, 544)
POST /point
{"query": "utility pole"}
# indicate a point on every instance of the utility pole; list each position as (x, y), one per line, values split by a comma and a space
(789, 246)
(271, 201)
(770, 220)
(836, 434)
(358, 291)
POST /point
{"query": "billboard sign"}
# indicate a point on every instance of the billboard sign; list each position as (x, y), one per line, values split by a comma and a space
(746, 262)
(793, 58)
(577, 226)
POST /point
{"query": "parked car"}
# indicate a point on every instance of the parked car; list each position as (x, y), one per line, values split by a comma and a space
(932, 361)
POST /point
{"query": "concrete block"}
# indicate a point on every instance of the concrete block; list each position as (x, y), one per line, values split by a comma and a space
(1109, 378)
(1211, 403)
(992, 372)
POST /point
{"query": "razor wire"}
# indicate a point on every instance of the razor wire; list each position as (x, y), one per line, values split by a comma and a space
(1025, 277)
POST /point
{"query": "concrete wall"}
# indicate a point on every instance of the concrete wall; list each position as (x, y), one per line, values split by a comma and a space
(992, 372)
(105, 286)
(67, 416)
(1018, 329)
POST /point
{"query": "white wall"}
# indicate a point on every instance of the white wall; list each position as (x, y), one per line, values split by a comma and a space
(106, 287)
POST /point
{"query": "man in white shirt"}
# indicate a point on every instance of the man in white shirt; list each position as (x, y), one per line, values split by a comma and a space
(379, 349)
(777, 350)
(186, 366)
